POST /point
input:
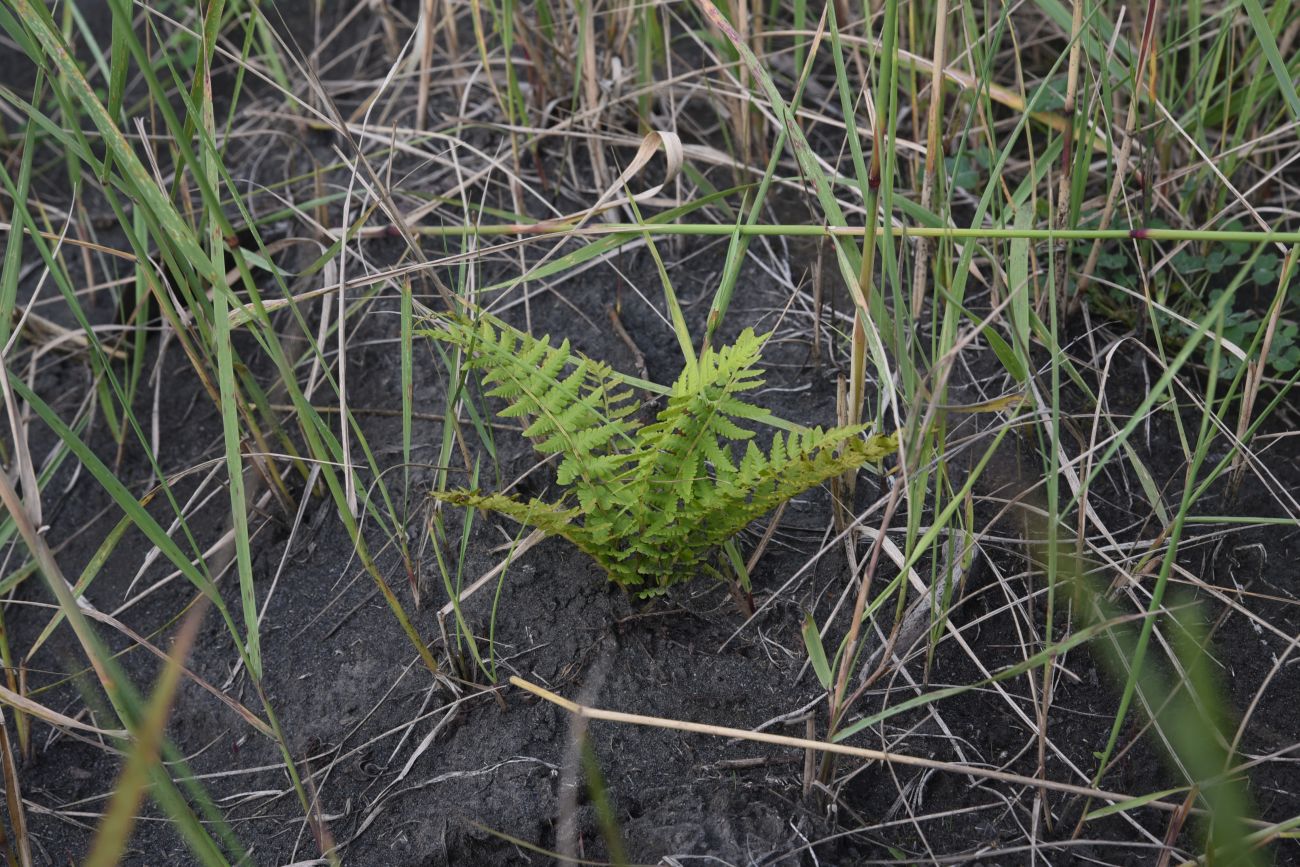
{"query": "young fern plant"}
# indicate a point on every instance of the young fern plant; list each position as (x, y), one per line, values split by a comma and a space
(649, 502)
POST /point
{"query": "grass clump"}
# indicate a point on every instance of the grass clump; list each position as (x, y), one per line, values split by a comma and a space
(649, 502)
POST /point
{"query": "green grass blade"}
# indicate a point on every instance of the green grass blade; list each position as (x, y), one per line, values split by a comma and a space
(812, 640)
(1268, 44)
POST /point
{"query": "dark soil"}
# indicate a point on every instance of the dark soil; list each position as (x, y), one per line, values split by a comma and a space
(410, 769)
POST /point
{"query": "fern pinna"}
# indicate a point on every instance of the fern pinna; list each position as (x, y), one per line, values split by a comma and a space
(651, 502)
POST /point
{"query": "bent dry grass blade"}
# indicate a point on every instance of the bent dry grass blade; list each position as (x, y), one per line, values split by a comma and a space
(593, 713)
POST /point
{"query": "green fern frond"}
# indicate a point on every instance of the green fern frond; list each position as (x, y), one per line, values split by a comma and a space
(653, 502)
(760, 484)
(551, 518)
(583, 415)
(698, 424)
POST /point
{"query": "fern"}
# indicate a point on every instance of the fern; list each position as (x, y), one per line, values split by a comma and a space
(652, 501)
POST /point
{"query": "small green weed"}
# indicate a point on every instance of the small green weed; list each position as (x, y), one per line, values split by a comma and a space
(653, 501)
(1193, 282)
